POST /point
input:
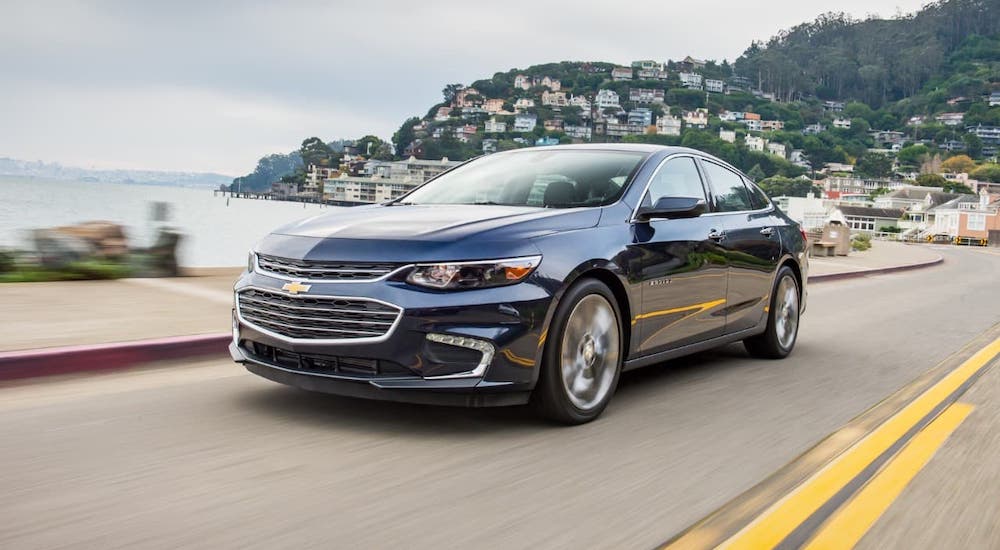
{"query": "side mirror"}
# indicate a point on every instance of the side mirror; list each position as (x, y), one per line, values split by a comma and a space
(672, 208)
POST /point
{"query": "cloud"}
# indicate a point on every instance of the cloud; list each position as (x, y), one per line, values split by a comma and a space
(215, 85)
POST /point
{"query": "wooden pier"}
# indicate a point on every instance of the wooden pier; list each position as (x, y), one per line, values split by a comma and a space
(269, 196)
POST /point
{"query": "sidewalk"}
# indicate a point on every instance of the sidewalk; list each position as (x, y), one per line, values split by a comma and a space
(44, 315)
(883, 254)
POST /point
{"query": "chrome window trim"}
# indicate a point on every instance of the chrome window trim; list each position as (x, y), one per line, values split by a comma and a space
(283, 277)
(744, 179)
(283, 338)
(706, 186)
(649, 181)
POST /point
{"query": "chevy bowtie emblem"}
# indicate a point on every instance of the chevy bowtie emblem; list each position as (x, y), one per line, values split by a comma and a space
(295, 287)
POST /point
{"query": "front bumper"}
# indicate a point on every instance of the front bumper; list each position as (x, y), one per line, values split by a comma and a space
(405, 365)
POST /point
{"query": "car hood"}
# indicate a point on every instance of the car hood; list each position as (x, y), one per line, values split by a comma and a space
(423, 232)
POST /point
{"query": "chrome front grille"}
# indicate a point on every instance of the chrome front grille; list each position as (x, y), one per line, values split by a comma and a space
(316, 317)
(324, 271)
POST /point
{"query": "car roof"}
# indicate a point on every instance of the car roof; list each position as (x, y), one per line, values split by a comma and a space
(637, 147)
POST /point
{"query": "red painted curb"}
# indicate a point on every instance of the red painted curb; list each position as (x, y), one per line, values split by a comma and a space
(107, 357)
(876, 271)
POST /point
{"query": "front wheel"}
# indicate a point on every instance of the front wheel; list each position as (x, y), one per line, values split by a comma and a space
(777, 341)
(583, 360)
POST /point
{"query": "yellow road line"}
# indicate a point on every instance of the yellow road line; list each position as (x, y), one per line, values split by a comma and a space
(782, 517)
(846, 527)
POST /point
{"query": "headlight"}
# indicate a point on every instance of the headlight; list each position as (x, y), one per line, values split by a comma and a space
(251, 262)
(478, 274)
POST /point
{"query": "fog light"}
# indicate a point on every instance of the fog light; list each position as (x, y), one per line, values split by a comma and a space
(482, 346)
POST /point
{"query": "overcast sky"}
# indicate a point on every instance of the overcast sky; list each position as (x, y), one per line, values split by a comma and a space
(213, 86)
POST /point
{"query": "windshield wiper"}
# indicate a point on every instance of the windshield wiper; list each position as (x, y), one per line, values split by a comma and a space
(490, 203)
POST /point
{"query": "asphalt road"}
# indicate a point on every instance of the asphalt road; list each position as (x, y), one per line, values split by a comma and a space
(208, 456)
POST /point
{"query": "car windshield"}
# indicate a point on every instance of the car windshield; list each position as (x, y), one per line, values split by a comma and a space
(548, 178)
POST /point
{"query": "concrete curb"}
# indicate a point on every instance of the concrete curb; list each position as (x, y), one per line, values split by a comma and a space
(875, 271)
(107, 357)
(120, 355)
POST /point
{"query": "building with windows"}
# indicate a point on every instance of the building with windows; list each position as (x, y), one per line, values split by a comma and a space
(776, 149)
(690, 80)
(554, 99)
(950, 119)
(668, 125)
(645, 95)
(842, 123)
(523, 104)
(640, 116)
(715, 86)
(868, 219)
(525, 122)
(621, 73)
(755, 143)
(607, 99)
(968, 216)
(727, 135)
(494, 126)
(583, 103)
(697, 118)
(770, 125)
(383, 181)
(493, 106)
(578, 132)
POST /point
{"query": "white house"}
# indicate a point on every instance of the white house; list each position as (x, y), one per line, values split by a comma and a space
(752, 124)
(606, 99)
(690, 80)
(714, 86)
(755, 143)
(727, 135)
(776, 149)
(493, 126)
(697, 118)
(645, 95)
(523, 104)
(525, 122)
(621, 73)
(842, 123)
(582, 102)
(554, 99)
(578, 132)
(668, 125)
(523, 82)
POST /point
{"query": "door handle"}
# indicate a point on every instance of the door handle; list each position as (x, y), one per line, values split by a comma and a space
(767, 231)
(716, 235)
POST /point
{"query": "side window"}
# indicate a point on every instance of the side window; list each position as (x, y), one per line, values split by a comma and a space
(677, 178)
(758, 200)
(727, 188)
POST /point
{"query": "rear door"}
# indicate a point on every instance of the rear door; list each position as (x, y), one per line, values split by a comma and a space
(751, 242)
(681, 269)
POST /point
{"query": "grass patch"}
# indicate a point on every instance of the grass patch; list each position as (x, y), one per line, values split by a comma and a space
(74, 271)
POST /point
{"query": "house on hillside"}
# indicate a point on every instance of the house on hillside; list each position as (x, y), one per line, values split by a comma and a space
(916, 201)
(690, 80)
(833, 106)
(553, 125)
(621, 73)
(522, 82)
(842, 123)
(583, 103)
(650, 70)
(772, 125)
(552, 84)
(727, 135)
(607, 99)
(697, 118)
(640, 116)
(554, 99)
(692, 64)
(523, 104)
(668, 125)
(645, 95)
(525, 122)
(994, 99)
(465, 133)
(443, 114)
(755, 143)
(715, 86)
(950, 119)
(493, 126)
(493, 106)
(776, 149)
(578, 132)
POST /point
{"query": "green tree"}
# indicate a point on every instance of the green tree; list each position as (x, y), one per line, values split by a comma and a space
(958, 164)
(315, 151)
(778, 186)
(404, 136)
(931, 180)
(873, 165)
(756, 173)
(987, 172)
(450, 91)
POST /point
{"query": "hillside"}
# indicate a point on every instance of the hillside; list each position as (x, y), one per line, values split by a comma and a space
(886, 95)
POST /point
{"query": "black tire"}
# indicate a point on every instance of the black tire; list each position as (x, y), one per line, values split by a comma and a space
(551, 397)
(774, 342)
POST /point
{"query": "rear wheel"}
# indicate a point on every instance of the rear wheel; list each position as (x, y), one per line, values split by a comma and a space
(582, 361)
(778, 340)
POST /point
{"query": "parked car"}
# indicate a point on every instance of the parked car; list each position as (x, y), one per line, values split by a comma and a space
(530, 276)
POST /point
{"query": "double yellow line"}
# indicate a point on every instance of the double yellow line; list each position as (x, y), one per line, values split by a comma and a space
(836, 504)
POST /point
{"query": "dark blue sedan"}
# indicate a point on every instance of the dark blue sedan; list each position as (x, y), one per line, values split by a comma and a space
(536, 275)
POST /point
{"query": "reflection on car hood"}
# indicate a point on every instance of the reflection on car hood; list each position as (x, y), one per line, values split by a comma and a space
(441, 222)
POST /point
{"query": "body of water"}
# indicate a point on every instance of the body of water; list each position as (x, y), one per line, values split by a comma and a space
(216, 233)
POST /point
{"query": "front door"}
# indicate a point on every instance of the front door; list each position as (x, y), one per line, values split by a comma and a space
(752, 245)
(682, 270)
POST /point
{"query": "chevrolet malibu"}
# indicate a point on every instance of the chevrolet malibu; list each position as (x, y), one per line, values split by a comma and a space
(532, 276)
